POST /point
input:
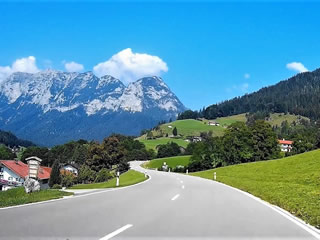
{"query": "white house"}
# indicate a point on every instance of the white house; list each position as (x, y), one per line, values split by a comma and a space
(70, 168)
(213, 123)
(13, 173)
(285, 145)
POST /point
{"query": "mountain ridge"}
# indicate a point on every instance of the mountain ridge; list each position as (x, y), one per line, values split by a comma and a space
(68, 106)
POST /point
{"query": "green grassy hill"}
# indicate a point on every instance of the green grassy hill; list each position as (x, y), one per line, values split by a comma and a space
(191, 127)
(293, 183)
(172, 162)
(153, 143)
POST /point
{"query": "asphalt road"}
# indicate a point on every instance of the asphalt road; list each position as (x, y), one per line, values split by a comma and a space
(168, 206)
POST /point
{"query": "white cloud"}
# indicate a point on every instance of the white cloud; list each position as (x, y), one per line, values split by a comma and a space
(73, 67)
(297, 66)
(27, 65)
(243, 88)
(246, 76)
(128, 66)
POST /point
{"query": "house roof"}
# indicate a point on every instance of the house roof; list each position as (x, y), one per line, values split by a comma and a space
(22, 169)
(285, 142)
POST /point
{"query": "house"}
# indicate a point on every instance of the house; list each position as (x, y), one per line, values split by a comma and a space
(285, 145)
(13, 174)
(71, 168)
(196, 139)
(213, 123)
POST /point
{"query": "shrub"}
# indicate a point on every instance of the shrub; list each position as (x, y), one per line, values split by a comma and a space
(56, 186)
(103, 175)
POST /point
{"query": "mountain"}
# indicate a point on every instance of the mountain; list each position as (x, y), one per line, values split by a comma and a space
(299, 95)
(52, 107)
(9, 139)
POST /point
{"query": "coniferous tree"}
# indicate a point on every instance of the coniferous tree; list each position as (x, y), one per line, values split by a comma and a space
(55, 177)
(175, 131)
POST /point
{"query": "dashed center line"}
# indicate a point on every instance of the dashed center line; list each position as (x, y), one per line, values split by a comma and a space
(181, 181)
(175, 197)
(182, 186)
(120, 230)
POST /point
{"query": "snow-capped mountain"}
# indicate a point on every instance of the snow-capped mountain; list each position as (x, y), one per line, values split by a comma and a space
(52, 107)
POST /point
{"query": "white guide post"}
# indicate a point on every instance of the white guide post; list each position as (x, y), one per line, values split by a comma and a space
(118, 179)
(187, 172)
(214, 176)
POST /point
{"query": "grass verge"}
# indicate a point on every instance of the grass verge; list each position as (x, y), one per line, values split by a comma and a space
(17, 196)
(128, 178)
(153, 143)
(172, 162)
(292, 183)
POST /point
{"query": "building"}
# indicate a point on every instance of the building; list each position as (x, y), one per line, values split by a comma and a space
(72, 168)
(285, 145)
(13, 174)
(213, 123)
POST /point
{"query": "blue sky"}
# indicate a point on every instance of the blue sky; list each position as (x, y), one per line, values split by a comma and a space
(213, 51)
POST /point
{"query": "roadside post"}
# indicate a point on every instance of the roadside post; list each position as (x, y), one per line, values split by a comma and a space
(187, 172)
(145, 174)
(169, 169)
(215, 176)
(118, 178)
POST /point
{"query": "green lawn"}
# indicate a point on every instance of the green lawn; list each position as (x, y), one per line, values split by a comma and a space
(128, 178)
(172, 162)
(293, 183)
(17, 196)
(191, 127)
(153, 143)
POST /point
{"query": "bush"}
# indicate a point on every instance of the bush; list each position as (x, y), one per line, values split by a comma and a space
(56, 186)
(170, 149)
(180, 169)
(103, 175)
(67, 180)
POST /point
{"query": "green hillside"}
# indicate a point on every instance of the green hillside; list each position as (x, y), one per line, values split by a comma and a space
(293, 183)
(191, 127)
(153, 143)
(172, 162)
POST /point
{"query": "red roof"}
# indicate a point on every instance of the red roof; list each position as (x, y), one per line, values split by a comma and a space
(22, 169)
(285, 142)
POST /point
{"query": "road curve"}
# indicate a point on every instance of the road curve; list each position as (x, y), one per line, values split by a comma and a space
(168, 206)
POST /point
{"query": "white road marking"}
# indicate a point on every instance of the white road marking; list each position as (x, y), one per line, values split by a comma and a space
(175, 197)
(182, 186)
(115, 233)
(181, 181)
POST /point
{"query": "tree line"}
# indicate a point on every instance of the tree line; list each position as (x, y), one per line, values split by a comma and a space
(299, 95)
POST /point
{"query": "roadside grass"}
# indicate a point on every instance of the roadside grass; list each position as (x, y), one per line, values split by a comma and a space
(172, 162)
(153, 143)
(292, 183)
(128, 178)
(17, 196)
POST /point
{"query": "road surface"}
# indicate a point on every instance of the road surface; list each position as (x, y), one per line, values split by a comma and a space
(168, 206)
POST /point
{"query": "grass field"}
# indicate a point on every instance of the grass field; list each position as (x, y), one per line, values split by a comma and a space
(293, 183)
(17, 196)
(278, 118)
(191, 127)
(153, 143)
(128, 178)
(172, 162)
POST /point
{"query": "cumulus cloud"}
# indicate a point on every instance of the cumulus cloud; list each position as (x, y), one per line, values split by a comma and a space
(27, 65)
(128, 66)
(246, 76)
(73, 67)
(297, 66)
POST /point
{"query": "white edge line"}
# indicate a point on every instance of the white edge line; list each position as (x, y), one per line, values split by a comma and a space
(307, 227)
(175, 197)
(120, 230)
(73, 197)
